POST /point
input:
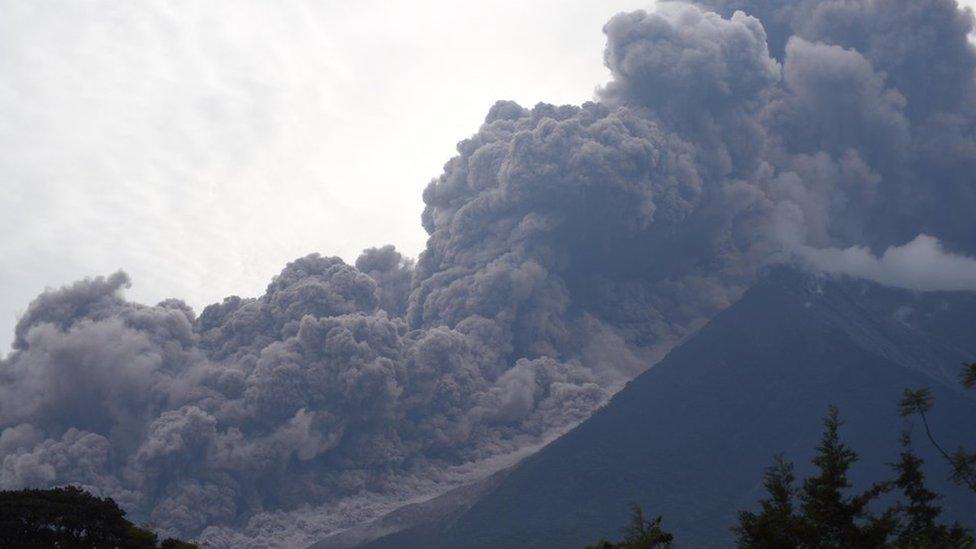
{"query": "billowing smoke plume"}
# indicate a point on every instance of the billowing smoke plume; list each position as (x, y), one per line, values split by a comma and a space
(568, 246)
(921, 264)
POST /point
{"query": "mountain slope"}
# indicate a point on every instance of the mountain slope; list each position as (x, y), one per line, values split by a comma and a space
(689, 438)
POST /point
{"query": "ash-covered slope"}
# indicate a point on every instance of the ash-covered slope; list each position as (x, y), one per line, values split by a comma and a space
(689, 438)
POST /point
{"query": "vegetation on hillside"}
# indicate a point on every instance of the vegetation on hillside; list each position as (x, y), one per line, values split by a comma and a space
(822, 511)
(641, 534)
(70, 517)
(919, 402)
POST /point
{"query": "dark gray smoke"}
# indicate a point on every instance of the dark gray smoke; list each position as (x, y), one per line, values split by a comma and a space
(888, 84)
(569, 246)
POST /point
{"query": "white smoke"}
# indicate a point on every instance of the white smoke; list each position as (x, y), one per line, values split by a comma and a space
(921, 264)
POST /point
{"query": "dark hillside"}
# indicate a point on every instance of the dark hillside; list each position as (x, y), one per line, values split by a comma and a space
(689, 439)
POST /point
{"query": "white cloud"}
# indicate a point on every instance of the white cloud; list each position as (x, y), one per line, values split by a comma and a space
(921, 264)
(971, 4)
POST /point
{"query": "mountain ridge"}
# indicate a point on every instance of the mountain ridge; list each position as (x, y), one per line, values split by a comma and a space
(689, 438)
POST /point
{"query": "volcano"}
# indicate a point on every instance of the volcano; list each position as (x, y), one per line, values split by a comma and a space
(689, 438)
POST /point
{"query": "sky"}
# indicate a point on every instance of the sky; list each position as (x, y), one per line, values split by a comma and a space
(200, 146)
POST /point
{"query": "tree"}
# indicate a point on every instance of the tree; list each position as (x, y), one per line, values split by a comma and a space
(918, 526)
(919, 402)
(641, 534)
(776, 526)
(70, 517)
(172, 543)
(829, 517)
(820, 514)
(968, 376)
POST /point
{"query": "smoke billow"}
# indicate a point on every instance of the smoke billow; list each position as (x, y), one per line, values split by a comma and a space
(568, 246)
(921, 264)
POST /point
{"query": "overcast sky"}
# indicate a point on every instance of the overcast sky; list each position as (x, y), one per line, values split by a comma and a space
(201, 145)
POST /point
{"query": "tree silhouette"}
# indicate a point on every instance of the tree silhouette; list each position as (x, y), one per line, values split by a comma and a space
(776, 526)
(919, 402)
(825, 515)
(918, 526)
(822, 515)
(641, 534)
(831, 517)
(71, 517)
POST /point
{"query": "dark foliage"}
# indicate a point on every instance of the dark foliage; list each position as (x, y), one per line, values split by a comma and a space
(71, 517)
(919, 402)
(822, 515)
(826, 516)
(776, 526)
(641, 534)
(830, 517)
(919, 514)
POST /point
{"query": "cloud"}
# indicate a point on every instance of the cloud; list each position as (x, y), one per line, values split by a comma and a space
(921, 264)
(702, 74)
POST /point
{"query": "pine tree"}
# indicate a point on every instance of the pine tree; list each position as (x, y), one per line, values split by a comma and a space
(919, 402)
(641, 534)
(919, 526)
(645, 534)
(776, 525)
(830, 518)
(826, 517)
